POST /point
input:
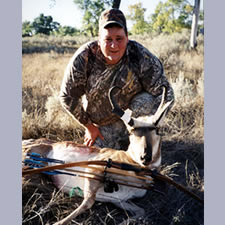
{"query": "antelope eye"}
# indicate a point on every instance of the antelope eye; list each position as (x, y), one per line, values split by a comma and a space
(159, 132)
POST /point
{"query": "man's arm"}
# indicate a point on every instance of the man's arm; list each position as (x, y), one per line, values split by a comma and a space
(72, 90)
(153, 78)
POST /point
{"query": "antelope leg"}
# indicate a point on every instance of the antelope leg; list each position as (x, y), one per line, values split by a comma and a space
(129, 206)
(135, 210)
(90, 191)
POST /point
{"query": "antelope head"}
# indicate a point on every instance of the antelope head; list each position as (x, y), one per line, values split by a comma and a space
(145, 141)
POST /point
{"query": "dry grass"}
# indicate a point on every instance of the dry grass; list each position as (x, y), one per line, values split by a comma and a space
(182, 150)
(44, 43)
(42, 113)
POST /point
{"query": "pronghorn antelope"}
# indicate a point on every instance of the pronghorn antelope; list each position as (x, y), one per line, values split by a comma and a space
(144, 150)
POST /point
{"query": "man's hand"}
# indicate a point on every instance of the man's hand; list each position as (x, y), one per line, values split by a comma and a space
(91, 133)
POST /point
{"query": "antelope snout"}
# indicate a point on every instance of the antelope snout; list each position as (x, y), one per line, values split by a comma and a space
(146, 158)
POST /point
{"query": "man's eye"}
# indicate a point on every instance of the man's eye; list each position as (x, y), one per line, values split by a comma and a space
(119, 39)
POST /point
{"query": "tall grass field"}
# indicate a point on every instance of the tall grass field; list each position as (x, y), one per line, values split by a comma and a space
(43, 63)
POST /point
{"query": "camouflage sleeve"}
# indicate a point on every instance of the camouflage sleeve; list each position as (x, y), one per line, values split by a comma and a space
(73, 88)
(153, 77)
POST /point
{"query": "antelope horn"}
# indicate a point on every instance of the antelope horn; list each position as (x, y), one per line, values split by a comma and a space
(115, 108)
(162, 108)
(124, 115)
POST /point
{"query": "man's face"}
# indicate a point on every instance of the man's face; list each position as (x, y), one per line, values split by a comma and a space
(113, 42)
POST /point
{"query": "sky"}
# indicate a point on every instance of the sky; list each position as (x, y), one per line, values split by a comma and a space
(67, 13)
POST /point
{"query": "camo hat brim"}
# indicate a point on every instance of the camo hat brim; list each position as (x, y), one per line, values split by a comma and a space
(112, 16)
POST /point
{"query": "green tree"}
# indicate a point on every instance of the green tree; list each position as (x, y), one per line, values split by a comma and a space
(44, 25)
(67, 30)
(92, 10)
(27, 29)
(136, 14)
(171, 16)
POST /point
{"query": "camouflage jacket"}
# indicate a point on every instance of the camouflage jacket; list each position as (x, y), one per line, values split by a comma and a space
(87, 74)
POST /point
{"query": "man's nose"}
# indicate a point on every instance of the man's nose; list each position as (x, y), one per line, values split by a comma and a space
(113, 44)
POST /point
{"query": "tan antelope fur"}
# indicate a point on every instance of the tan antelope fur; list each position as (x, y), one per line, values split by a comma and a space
(144, 150)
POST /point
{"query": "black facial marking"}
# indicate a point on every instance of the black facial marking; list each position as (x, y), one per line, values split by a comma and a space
(142, 131)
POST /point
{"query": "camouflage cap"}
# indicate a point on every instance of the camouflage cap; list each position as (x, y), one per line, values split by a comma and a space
(112, 16)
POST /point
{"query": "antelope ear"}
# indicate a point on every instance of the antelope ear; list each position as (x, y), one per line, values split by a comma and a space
(126, 116)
